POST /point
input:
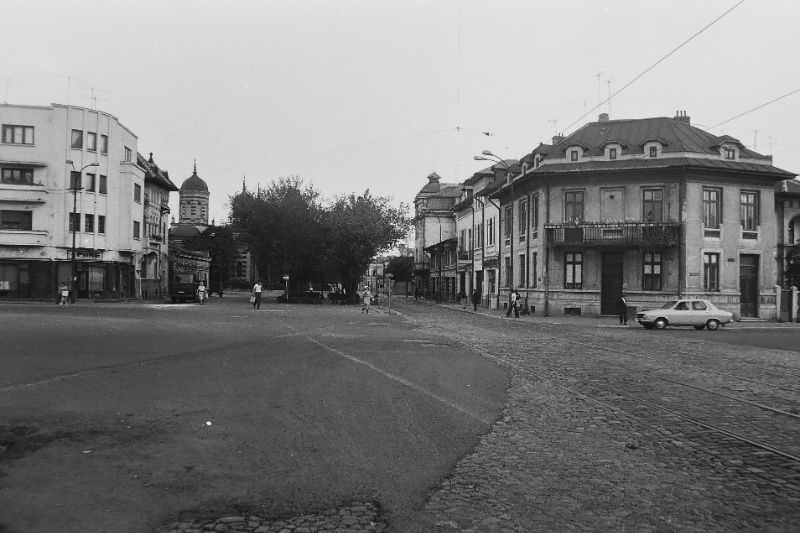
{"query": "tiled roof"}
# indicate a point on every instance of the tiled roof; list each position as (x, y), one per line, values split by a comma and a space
(791, 186)
(153, 173)
(676, 134)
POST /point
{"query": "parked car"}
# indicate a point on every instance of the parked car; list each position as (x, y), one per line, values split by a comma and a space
(698, 313)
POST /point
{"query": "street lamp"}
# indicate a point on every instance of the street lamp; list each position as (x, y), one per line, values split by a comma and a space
(75, 185)
(286, 280)
(391, 278)
(489, 156)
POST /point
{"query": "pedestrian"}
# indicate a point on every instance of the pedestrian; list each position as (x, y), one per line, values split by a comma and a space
(623, 310)
(63, 294)
(256, 299)
(514, 298)
(476, 297)
(201, 293)
(366, 300)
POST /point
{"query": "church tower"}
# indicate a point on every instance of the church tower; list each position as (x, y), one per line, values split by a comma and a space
(194, 201)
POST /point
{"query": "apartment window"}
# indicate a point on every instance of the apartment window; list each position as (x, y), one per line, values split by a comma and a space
(479, 235)
(91, 141)
(573, 206)
(612, 153)
(712, 210)
(651, 274)
(462, 240)
(74, 221)
(91, 182)
(101, 224)
(103, 144)
(137, 229)
(573, 275)
(711, 272)
(137, 193)
(88, 223)
(16, 220)
(535, 216)
(469, 238)
(77, 139)
(13, 134)
(103, 185)
(573, 155)
(508, 223)
(74, 180)
(523, 270)
(508, 271)
(128, 155)
(490, 232)
(18, 176)
(654, 151)
(730, 153)
(534, 270)
(748, 210)
(523, 219)
(653, 205)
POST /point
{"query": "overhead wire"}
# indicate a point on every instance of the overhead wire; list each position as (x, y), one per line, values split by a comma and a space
(654, 65)
(765, 104)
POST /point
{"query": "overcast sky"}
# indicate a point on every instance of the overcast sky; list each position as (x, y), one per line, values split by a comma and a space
(368, 94)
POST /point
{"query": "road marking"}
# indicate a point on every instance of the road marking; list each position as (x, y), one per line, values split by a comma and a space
(403, 381)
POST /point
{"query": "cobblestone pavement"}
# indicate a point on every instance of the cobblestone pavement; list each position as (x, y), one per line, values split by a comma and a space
(605, 429)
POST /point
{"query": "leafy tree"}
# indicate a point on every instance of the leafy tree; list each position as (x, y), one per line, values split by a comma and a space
(358, 229)
(401, 267)
(220, 244)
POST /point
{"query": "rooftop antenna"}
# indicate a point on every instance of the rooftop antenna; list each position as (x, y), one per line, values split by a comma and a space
(609, 97)
(554, 122)
(599, 89)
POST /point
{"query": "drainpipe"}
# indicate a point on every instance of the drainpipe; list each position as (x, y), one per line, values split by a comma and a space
(682, 236)
(546, 252)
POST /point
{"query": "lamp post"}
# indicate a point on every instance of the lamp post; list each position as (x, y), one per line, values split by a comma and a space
(286, 280)
(76, 185)
(489, 156)
(391, 278)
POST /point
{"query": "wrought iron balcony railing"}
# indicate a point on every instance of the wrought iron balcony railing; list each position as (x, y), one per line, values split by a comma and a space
(613, 234)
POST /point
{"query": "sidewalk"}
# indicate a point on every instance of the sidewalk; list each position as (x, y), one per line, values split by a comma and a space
(603, 321)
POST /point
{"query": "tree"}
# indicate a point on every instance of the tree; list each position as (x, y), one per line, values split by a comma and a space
(359, 228)
(401, 267)
(220, 243)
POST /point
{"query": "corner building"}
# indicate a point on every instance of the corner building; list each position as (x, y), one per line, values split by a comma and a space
(42, 150)
(654, 208)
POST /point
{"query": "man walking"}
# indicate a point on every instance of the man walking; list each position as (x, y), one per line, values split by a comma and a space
(514, 298)
(476, 297)
(257, 295)
(623, 311)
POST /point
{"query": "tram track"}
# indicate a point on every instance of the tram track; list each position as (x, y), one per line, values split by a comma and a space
(747, 434)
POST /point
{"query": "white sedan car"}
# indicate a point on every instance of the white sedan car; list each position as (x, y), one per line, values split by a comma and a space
(698, 313)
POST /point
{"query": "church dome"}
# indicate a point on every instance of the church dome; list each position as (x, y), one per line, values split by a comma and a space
(194, 182)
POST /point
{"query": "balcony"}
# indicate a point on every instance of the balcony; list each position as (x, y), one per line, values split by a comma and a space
(664, 234)
(23, 194)
(23, 238)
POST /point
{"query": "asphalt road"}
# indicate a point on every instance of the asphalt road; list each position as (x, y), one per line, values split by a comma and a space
(121, 417)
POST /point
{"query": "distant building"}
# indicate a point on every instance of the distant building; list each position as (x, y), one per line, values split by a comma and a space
(193, 221)
(48, 170)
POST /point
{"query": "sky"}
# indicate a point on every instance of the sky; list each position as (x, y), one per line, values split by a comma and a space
(351, 95)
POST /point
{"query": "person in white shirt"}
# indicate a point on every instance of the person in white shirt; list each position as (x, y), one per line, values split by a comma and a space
(201, 293)
(366, 300)
(257, 295)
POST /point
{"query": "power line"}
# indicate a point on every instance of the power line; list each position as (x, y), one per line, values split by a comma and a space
(654, 65)
(765, 104)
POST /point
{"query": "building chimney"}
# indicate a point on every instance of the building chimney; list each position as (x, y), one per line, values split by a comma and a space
(558, 139)
(603, 117)
(434, 178)
(683, 117)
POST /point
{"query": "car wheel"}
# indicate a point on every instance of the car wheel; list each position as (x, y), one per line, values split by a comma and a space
(713, 325)
(702, 326)
(660, 323)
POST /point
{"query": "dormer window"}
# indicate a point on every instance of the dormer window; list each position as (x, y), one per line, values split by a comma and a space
(729, 153)
(654, 151)
(573, 155)
(612, 153)
(537, 161)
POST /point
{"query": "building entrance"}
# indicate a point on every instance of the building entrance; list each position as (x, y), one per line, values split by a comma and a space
(611, 283)
(748, 285)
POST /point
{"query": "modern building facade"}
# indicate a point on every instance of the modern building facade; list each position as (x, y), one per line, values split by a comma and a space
(71, 196)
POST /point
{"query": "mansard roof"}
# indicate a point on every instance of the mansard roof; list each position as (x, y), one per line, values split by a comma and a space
(152, 173)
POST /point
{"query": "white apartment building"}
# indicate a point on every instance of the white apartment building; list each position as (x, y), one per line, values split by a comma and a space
(69, 179)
